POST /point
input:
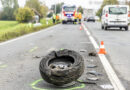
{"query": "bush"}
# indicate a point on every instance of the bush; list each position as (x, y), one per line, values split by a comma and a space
(24, 14)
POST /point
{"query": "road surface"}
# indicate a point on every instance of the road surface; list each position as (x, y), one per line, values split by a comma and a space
(19, 59)
(117, 44)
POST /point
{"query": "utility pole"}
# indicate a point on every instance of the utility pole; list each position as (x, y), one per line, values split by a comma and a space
(55, 8)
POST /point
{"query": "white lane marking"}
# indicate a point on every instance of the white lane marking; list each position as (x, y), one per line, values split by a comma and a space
(108, 68)
(94, 42)
(91, 38)
(88, 33)
(28, 35)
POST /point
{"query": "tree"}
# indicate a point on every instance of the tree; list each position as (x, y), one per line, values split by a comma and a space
(106, 2)
(9, 7)
(50, 14)
(38, 6)
(58, 7)
(24, 14)
(80, 9)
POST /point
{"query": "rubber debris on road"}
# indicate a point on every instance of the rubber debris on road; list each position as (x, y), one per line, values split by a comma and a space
(106, 86)
(92, 54)
(94, 73)
(91, 66)
(61, 67)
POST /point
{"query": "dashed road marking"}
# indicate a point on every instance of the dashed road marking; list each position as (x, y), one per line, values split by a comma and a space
(117, 84)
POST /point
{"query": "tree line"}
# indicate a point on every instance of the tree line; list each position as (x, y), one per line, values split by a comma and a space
(106, 2)
(12, 11)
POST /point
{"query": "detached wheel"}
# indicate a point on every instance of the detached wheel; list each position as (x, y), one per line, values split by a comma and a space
(61, 67)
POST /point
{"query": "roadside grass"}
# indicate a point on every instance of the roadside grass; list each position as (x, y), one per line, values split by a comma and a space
(13, 29)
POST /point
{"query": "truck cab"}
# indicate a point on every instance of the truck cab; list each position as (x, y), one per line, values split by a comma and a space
(68, 13)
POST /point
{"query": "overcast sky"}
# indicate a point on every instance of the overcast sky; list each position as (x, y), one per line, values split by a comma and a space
(95, 4)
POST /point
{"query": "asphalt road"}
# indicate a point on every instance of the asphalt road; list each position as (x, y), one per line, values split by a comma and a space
(19, 59)
(117, 44)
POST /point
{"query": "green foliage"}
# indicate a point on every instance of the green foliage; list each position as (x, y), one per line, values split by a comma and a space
(44, 10)
(106, 2)
(13, 29)
(24, 14)
(58, 7)
(9, 7)
(80, 9)
(43, 21)
(50, 15)
(38, 6)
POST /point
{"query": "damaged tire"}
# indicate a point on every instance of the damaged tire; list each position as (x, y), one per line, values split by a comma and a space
(61, 67)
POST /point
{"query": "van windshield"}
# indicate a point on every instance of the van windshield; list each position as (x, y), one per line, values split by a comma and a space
(118, 10)
(69, 9)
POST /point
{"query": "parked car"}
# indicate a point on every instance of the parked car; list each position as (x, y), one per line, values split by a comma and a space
(115, 16)
(97, 18)
(91, 19)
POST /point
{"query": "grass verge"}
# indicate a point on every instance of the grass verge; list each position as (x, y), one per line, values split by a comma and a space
(12, 29)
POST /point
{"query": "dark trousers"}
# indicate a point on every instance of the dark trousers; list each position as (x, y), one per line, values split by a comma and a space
(54, 20)
(79, 21)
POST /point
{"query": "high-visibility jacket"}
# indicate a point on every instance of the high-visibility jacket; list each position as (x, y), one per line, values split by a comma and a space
(57, 17)
(75, 15)
(80, 16)
(54, 16)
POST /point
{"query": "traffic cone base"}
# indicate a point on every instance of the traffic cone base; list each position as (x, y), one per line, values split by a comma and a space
(102, 49)
(80, 27)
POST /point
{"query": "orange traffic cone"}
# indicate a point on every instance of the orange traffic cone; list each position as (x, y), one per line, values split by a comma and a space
(102, 48)
(80, 27)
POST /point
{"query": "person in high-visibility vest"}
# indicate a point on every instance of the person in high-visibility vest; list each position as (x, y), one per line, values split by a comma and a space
(54, 18)
(75, 18)
(57, 18)
(79, 17)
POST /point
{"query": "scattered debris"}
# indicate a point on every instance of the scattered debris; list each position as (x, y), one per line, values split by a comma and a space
(61, 67)
(91, 66)
(93, 79)
(83, 50)
(36, 57)
(94, 73)
(106, 86)
(86, 82)
(90, 60)
(92, 54)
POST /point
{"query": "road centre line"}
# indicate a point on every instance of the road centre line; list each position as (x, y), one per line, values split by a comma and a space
(108, 68)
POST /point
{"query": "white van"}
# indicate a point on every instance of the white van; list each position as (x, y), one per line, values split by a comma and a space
(115, 16)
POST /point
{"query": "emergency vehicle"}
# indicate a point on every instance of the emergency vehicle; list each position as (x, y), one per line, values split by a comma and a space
(68, 13)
